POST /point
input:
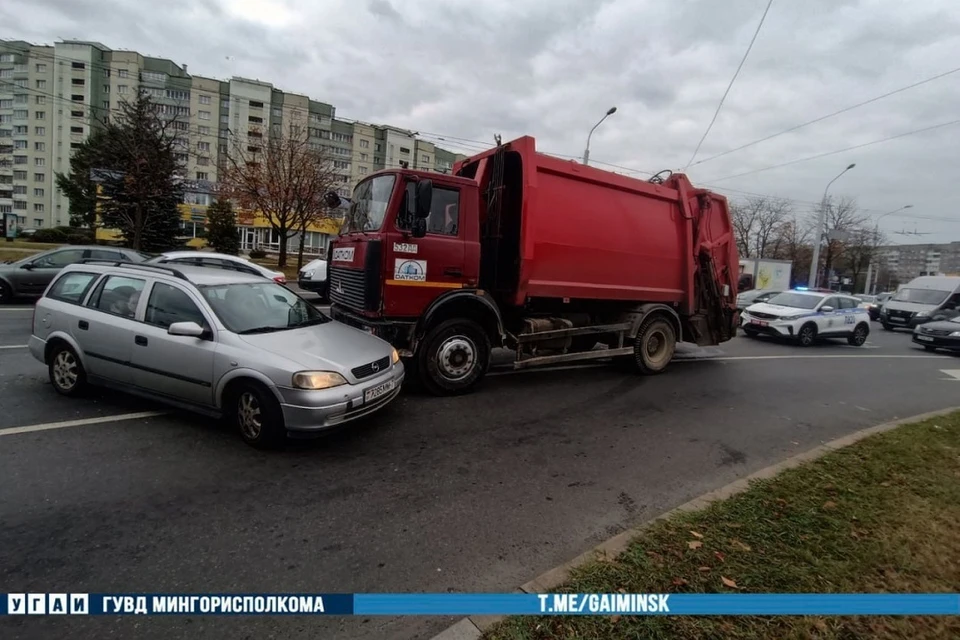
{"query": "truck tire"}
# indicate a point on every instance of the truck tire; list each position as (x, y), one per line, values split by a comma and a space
(453, 357)
(654, 346)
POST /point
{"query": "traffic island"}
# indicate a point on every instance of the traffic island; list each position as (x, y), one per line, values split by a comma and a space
(878, 516)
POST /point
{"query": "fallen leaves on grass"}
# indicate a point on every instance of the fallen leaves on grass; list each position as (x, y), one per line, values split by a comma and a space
(719, 556)
(696, 535)
(728, 582)
(704, 569)
(829, 504)
(742, 545)
(694, 544)
(679, 582)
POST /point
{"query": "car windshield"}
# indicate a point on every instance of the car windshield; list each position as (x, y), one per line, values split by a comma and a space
(796, 300)
(261, 307)
(921, 296)
(369, 205)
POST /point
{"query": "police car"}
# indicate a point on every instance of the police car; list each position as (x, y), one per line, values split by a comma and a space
(805, 316)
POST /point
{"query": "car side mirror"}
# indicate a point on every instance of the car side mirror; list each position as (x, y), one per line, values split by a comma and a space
(826, 308)
(29, 266)
(189, 329)
(423, 199)
(419, 228)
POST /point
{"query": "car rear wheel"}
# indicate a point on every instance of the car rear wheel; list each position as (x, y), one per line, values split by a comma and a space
(859, 335)
(807, 335)
(654, 347)
(257, 415)
(6, 294)
(66, 372)
(453, 357)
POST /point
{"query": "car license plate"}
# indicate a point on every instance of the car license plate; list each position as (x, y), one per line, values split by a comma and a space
(897, 320)
(375, 392)
(759, 323)
(925, 338)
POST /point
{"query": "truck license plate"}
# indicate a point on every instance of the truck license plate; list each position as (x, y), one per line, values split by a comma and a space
(925, 338)
(375, 392)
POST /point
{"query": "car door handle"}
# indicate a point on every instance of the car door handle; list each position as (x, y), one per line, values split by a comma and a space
(83, 324)
(452, 271)
(140, 340)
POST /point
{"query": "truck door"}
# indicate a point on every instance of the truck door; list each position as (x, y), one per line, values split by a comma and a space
(420, 269)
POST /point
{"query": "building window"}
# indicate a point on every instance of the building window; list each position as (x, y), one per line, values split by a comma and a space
(255, 120)
(203, 130)
(363, 171)
(6, 73)
(19, 144)
(153, 76)
(6, 104)
(20, 99)
(78, 82)
(105, 104)
(181, 157)
(76, 114)
(203, 146)
(19, 159)
(38, 208)
(364, 144)
(122, 89)
(404, 150)
(277, 112)
(76, 130)
(21, 114)
(378, 147)
(39, 146)
(20, 130)
(20, 175)
(201, 175)
(203, 161)
(37, 177)
(343, 137)
(78, 65)
(41, 99)
(19, 205)
(340, 164)
(40, 115)
(253, 149)
(203, 115)
(363, 157)
(225, 103)
(40, 131)
(38, 222)
(41, 84)
(39, 162)
(106, 73)
(106, 88)
(424, 158)
(76, 97)
(224, 119)
(19, 190)
(123, 73)
(38, 193)
(204, 99)
(6, 57)
(254, 104)
(173, 94)
(41, 68)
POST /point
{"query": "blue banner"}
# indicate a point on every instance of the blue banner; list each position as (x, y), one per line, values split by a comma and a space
(461, 604)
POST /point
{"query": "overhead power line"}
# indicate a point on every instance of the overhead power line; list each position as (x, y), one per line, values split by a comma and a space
(729, 86)
(827, 116)
(830, 153)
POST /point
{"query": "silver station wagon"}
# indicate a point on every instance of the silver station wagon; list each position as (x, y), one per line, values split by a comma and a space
(217, 342)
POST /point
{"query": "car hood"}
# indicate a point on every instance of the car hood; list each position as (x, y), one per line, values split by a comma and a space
(778, 310)
(908, 306)
(938, 325)
(331, 346)
(313, 264)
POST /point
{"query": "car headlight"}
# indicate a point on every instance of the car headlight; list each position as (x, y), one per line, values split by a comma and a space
(307, 274)
(955, 334)
(395, 356)
(790, 318)
(317, 380)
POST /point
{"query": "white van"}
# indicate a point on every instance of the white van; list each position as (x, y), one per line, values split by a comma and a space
(921, 300)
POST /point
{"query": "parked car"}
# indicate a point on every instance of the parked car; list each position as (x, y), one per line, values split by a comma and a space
(873, 306)
(939, 334)
(313, 277)
(219, 342)
(31, 275)
(921, 300)
(806, 316)
(753, 296)
(218, 261)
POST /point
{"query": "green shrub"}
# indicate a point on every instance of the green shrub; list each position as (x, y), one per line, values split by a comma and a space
(258, 254)
(49, 235)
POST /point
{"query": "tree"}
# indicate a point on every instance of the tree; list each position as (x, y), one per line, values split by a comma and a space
(79, 186)
(842, 219)
(757, 223)
(861, 250)
(793, 242)
(283, 177)
(139, 176)
(222, 227)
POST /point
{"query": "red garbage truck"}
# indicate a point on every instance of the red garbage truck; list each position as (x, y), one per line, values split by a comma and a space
(549, 258)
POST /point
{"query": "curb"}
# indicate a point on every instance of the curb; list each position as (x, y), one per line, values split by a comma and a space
(473, 627)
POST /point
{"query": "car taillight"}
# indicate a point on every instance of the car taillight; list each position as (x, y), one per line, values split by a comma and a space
(280, 280)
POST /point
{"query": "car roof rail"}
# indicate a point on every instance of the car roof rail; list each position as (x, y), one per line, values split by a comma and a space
(135, 265)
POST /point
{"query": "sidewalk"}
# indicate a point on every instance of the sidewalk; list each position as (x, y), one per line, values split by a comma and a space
(880, 515)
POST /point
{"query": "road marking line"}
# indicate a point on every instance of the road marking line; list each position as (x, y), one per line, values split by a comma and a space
(16, 308)
(80, 423)
(953, 373)
(508, 372)
(14, 346)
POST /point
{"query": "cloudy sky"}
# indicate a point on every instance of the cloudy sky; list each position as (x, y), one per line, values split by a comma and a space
(465, 70)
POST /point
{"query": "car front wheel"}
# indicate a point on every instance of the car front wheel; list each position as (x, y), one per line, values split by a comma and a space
(257, 415)
(807, 335)
(6, 294)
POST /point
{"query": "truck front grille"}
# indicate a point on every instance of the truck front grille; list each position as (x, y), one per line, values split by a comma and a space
(346, 287)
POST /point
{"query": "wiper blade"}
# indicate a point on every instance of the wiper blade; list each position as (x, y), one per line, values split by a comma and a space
(311, 322)
(260, 330)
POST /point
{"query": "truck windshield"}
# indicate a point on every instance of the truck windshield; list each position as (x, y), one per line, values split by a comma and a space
(369, 206)
(921, 296)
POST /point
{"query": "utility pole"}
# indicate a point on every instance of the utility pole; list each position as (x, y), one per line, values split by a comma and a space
(814, 281)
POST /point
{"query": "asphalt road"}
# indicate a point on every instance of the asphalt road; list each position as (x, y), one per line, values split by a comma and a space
(477, 493)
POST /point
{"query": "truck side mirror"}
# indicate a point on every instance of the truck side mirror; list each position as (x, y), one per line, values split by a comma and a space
(331, 199)
(423, 199)
(419, 228)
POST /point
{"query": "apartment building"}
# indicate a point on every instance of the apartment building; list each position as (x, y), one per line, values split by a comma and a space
(53, 97)
(907, 261)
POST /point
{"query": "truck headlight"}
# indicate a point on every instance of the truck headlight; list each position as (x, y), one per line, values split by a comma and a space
(307, 274)
(317, 380)
(395, 356)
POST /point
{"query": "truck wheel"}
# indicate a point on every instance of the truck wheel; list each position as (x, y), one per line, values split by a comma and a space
(453, 357)
(859, 335)
(654, 346)
(807, 335)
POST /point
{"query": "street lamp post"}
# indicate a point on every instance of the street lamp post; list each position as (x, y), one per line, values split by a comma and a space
(868, 287)
(586, 152)
(814, 280)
